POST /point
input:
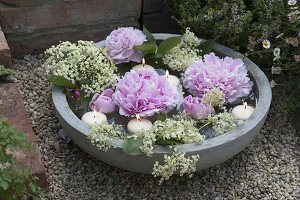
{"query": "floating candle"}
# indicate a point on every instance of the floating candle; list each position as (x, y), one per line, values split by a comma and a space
(138, 124)
(93, 117)
(143, 66)
(172, 79)
(243, 112)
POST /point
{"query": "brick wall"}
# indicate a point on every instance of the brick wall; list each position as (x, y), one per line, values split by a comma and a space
(33, 25)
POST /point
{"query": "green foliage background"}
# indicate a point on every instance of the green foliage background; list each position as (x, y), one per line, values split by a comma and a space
(243, 25)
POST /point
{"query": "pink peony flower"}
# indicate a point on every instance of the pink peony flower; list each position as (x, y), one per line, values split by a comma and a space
(120, 43)
(196, 109)
(144, 93)
(227, 74)
(103, 102)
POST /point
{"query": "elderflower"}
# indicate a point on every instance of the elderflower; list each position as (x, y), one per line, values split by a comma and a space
(184, 131)
(148, 138)
(102, 134)
(181, 56)
(83, 64)
(214, 97)
(175, 163)
(223, 122)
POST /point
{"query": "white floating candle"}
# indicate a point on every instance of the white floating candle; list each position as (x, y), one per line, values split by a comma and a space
(143, 66)
(93, 117)
(242, 112)
(172, 79)
(138, 124)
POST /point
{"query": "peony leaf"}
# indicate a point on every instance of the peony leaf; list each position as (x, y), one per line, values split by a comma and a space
(147, 48)
(132, 146)
(168, 44)
(150, 38)
(61, 81)
(162, 117)
(207, 46)
(84, 103)
(125, 67)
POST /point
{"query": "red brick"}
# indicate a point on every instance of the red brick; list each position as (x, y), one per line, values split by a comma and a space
(5, 56)
(13, 108)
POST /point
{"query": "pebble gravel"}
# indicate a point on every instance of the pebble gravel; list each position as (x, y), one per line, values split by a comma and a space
(266, 169)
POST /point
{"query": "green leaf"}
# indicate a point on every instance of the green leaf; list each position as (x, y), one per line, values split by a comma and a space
(168, 44)
(132, 146)
(4, 184)
(149, 36)
(123, 68)
(61, 81)
(84, 103)
(5, 71)
(207, 46)
(162, 117)
(147, 48)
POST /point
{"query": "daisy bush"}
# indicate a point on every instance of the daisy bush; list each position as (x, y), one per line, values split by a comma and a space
(266, 31)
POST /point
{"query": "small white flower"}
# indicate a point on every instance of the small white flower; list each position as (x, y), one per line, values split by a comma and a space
(266, 44)
(276, 53)
(276, 70)
(272, 83)
(292, 2)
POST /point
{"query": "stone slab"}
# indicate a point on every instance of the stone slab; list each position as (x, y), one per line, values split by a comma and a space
(36, 43)
(5, 55)
(27, 26)
(14, 110)
(33, 2)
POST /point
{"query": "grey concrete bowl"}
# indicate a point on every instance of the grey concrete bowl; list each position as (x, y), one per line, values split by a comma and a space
(212, 151)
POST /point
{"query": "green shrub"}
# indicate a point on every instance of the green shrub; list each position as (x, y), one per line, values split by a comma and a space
(16, 182)
(244, 25)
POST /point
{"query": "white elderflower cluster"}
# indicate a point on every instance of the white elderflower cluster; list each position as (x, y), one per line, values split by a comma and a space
(102, 134)
(181, 130)
(175, 163)
(223, 122)
(83, 64)
(149, 139)
(186, 52)
(214, 97)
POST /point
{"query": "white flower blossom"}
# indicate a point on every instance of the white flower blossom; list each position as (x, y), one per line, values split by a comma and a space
(102, 134)
(292, 2)
(223, 122)
(272, 83)
(276, 54)
(181, 56)
(175, 163)
(266, 44)
(81, 63)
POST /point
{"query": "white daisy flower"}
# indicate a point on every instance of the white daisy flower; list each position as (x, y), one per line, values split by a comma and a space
(266, 44)
(292, 2)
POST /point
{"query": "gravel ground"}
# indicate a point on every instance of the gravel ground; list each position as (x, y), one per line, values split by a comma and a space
(267, 169)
